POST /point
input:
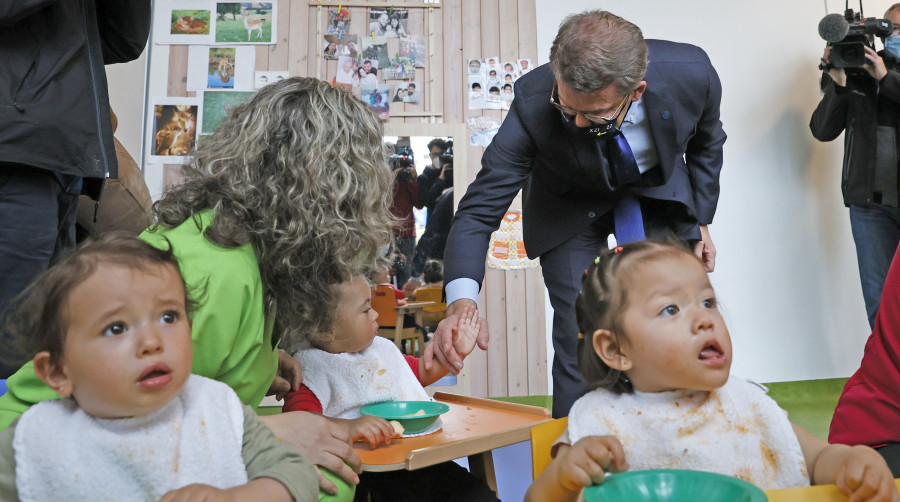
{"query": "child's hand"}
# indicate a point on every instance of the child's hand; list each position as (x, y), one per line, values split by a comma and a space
(587, 461)
(864, 476)
(198, 493)
(288, 377)
(374, 430)
(466, 332)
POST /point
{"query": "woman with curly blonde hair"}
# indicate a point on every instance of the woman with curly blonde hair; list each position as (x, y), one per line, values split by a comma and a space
(287, 198)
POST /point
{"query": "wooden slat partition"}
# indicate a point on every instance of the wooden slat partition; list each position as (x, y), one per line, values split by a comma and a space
(454, 31)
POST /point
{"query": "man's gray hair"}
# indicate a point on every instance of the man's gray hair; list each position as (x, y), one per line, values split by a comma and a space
(594, 49)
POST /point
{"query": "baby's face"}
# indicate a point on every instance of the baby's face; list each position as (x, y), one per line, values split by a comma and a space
(675, 337)
(128, 346)
(355, 325)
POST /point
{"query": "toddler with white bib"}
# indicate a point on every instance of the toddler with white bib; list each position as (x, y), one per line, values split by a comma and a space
(657, 354)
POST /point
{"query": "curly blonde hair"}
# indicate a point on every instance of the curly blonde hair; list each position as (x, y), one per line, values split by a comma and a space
(300, 172)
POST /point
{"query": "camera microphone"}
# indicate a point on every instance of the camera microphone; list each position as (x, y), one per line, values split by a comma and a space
(833, 28)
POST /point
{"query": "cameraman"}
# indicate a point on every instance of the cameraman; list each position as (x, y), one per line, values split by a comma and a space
(438, 176)
(406, 197)
(865, 102)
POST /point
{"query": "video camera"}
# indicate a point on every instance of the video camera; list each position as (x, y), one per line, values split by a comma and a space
(402, 158)
(447, 158)
(848, 35)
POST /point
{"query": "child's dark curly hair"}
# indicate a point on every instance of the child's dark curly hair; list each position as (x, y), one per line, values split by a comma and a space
(603, 300)
(37, 320)
(433, 271)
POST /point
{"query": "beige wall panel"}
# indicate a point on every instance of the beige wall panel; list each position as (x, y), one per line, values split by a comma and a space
(516, 334)
(536, 326)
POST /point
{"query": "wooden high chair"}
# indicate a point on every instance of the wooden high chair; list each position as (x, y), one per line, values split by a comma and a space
(431, 316)
(542, 438)
(390, 321)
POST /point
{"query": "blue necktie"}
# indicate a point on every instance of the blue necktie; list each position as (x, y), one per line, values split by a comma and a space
(627, 212)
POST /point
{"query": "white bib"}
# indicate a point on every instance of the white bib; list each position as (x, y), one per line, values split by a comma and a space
(346, 382)
(735, 430)
(62, 453)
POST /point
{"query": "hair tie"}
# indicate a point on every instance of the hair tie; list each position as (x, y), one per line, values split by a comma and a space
(617, 249)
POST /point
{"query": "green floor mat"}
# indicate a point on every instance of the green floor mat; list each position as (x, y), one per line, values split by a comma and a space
(809, 403)
(542, 401)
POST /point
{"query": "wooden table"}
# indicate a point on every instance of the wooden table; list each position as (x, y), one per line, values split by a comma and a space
(414, 308)
(818, 493)
(472, 428)
(399, 333)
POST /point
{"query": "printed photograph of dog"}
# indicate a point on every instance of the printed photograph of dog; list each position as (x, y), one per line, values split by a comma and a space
(175, 129)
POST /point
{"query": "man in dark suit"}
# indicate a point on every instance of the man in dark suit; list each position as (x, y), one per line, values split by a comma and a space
(554, 145)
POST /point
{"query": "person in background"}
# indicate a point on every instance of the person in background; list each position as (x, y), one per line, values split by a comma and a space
(121, 425)
(432, 243)
(868, 410)
(53, 56)
(864, 103)
(657, 354)
(287, 198)
(406, 198)
(565, 139)
(436, 177)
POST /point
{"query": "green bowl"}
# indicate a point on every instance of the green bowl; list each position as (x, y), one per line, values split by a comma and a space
(673, 485)
(401, 411)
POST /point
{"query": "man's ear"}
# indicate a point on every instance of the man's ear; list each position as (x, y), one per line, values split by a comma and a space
(637, 93)
(610, 351)
(52, 374)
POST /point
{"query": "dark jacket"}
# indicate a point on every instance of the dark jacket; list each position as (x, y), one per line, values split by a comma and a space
(433, 241)
(54, 103)
(566, 177)
(852, 110)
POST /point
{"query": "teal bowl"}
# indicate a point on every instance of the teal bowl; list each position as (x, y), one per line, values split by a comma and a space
(673, 485)
(403, 411)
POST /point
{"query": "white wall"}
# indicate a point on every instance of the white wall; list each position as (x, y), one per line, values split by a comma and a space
(126, 96)
(786, 272)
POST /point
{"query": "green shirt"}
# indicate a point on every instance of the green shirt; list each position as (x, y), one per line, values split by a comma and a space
(232, 338)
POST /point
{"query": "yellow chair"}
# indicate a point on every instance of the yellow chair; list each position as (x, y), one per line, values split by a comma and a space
(431, 316)
(390, 321)
(542, 438)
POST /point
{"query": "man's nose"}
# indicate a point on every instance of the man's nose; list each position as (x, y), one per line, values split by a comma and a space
(581, 120)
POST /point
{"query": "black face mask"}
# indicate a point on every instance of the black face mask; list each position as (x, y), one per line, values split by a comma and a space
(596, 131)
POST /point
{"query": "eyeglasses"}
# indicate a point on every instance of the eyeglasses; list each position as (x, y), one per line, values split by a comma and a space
(596, 119)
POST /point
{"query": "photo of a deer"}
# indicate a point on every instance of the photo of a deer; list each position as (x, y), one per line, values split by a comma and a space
(253, 24)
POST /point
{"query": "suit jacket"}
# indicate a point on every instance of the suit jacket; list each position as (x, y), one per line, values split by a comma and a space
(566, 177)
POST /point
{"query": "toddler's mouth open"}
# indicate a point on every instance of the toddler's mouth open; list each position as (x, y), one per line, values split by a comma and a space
(712, 352)
(156, 375)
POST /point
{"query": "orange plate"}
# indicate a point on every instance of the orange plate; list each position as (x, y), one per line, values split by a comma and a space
(472, 426)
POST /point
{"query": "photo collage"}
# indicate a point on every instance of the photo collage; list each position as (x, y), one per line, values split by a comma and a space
(221, 39)
(380, 66)
(491, 82)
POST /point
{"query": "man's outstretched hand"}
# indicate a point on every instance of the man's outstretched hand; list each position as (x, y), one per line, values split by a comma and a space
(448, 338)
